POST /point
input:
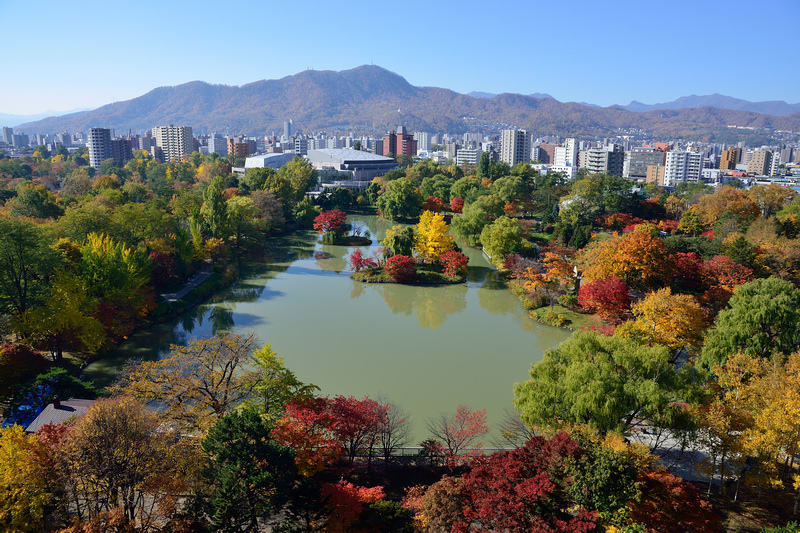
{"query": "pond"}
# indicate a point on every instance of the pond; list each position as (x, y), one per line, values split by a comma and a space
(427, 349)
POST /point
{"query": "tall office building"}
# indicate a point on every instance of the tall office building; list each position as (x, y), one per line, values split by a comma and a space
(515, 146)
(121, 151)
(8, 135)
(99, 145)
(174, 141)
(216, 143)
(682, 166)
(288, 129)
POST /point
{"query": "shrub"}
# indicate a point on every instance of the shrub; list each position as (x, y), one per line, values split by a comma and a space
(359, 261)
(535, 299)
(608, 297)
(454, 263)
(401, 268)
(568, 300)
(555, 319)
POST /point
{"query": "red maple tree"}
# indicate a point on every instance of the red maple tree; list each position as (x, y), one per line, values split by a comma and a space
(401, 268)
(608, 297)
(332, 220)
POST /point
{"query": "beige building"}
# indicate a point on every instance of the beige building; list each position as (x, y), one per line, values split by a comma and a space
(174, 141)
(655, 175)
(730, 158)
(760, 163)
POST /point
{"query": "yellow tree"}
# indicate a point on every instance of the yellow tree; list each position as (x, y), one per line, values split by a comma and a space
(771, 198)
(735, 202)
(672, 320)
(431, 239)
(23, 481)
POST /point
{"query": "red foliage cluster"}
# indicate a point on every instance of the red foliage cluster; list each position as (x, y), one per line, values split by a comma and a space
(454, 263)
(617, 221)
(433, 203)
(672, 505)
(457, 204)
(668, 226)
(358, 422)
(358, 261)
(688, 272)
(608, 297)
(708, 234)
(721, 276)
(401, 268)
(520, 490)
(517, 266)
(330, 220)
(346, 502)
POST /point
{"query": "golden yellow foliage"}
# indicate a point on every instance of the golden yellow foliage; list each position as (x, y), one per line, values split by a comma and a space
(430, 237)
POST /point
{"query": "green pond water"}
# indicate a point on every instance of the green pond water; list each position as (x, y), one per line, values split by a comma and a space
(427, 349)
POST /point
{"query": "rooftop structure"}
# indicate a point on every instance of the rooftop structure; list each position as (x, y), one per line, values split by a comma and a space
(363, 166)
(271, 160)
(59, 411)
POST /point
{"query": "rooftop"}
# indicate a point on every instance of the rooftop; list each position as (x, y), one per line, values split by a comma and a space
(348, 154)
(67, 409)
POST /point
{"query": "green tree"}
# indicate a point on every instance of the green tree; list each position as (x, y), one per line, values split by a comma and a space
(438, 186)
(64, 322)
(250, 475)
(301, 176)
(401, 200)
(763, 319)
(502, 237)
(604, 382)
(475, 217)
(214, 210)
(36, 201)
(241, 211)
(467, 188)
(276, 385)
(26, 262)
(254, 179)
(509, 188)
(483, 166)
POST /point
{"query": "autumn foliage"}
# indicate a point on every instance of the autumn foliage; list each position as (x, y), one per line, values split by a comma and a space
(401, 268)
(433, 203)
(332, 220)
(608, 297)
(345, 503)
(457, 204)
(454, 263)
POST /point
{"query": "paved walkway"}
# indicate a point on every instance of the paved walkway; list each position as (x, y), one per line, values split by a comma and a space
(199, 277)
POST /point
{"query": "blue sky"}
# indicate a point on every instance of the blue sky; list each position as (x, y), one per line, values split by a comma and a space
(84, 54)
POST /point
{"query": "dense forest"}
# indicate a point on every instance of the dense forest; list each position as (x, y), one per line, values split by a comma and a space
(684, 360)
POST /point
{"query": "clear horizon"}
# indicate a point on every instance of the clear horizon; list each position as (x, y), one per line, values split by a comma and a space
(597, 53)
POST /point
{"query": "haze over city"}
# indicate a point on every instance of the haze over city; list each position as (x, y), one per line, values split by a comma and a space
(92, 53)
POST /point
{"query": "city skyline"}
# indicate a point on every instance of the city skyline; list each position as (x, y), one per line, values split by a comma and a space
(600, 53)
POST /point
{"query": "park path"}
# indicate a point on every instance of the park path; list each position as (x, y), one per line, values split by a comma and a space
(200, 276)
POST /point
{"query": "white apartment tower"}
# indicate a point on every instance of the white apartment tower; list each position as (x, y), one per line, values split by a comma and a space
(174, 141)
(99, 145)
(682, 166)
(566, 155)
(515, 147)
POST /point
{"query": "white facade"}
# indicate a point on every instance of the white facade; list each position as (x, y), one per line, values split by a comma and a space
(682, 166)
(99, 145)
(566, 155)
(174, 141)
(217, 143)
(467, 156)
(515, 147)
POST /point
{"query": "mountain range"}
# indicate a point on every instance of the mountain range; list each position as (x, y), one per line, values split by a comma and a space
(372, 98)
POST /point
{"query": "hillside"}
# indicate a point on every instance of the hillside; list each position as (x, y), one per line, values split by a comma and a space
(370, 97)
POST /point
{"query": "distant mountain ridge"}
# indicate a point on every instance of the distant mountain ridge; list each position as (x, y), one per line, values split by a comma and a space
(776, 108)
(11, 120)
(372, 98)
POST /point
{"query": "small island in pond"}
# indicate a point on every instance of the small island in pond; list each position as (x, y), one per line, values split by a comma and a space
(331, 224)
(420, 255)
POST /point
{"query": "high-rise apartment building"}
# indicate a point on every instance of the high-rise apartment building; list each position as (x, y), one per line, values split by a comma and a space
(423, 139)
(174, 141)
(99, 146)
(121, 151)
(610, 159)
(288, 129)
(515, 147)
(682, 166)
(760, 163)
(216, 143)
(566, 155)
(238, 147)
(730, 158)
(8, 135)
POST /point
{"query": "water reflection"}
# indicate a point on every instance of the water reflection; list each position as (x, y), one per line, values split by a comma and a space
(432, 305)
